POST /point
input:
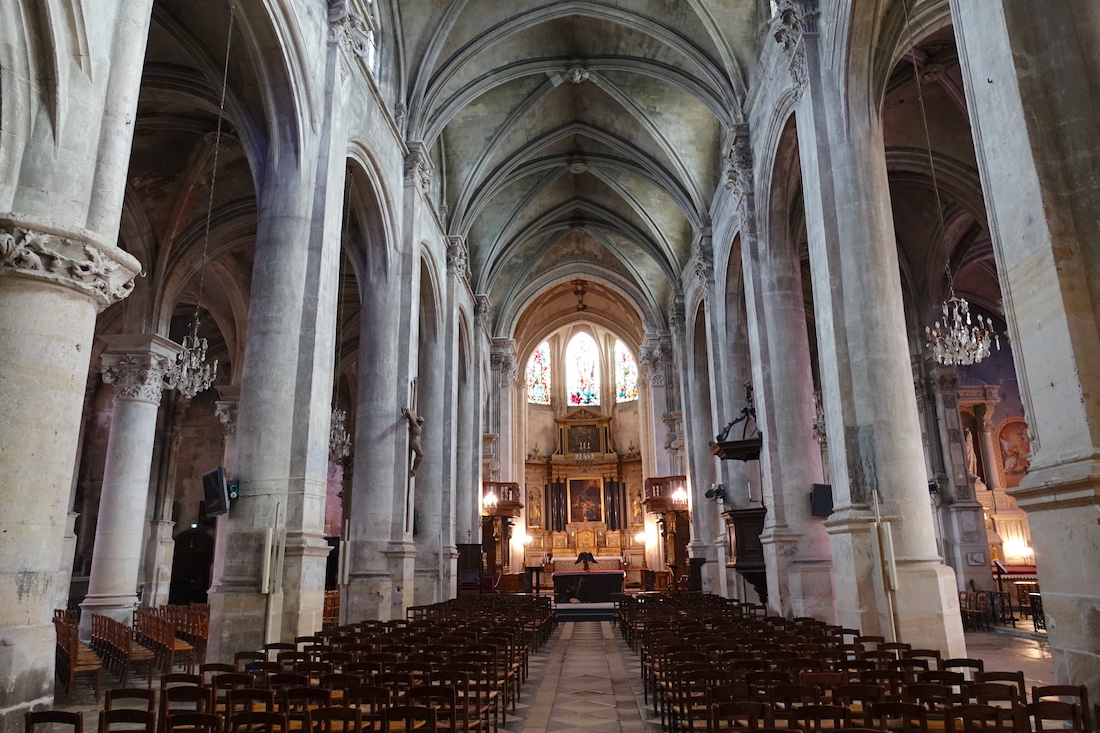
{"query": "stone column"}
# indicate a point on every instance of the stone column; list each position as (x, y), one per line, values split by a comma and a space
(867, 381)
(796, 545)
(161, 545)
(47, 319)
(1027, 70)
(429, 504)
(136, 365)
(503, 372)
(989, 448)
(62, 177)
(964, 530)
(376, 554)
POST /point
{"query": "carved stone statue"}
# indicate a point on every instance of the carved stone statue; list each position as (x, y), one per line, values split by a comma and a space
(534, 508)
(416, 438)
(971, 456)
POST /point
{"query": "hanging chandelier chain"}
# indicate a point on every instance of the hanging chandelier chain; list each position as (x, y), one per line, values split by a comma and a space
(957, 340)
(340, 442)
(191, 374)
(217, 154)
(928, 148)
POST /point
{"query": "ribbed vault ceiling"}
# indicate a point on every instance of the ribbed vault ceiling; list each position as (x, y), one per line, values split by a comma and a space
(576, 137)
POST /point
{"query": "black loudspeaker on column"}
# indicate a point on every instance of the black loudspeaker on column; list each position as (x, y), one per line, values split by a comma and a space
(821, 500)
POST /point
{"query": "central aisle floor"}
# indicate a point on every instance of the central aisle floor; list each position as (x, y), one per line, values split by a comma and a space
(586, 679)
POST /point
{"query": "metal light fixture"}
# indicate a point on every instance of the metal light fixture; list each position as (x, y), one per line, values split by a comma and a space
(339, 441)
(958, 340)
(191, 374)
(585, 457)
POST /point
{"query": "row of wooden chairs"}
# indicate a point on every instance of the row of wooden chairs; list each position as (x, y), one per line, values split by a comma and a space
(74, 657)
(154, 631)
(473, 691)
(115, 644)
(392, 719)
(698, 653)
(890, 717)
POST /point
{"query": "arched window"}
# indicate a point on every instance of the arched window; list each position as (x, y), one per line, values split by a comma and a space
(538, 375)
(626, 374)
(582, 363)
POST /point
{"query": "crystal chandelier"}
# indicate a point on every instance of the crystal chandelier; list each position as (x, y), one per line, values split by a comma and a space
(191, 374)
(958, 340)
(339, 441)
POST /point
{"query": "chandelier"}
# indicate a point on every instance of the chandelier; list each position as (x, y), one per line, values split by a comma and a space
(339, 441)
(958, 340)
(191, 374)
(584, 455)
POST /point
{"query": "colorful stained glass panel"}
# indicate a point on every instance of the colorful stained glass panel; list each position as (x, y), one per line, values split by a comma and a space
(626, 374)
(582, 363)
(538, 375)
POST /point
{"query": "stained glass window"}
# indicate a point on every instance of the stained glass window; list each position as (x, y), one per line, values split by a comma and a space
(582, 363)
(626, 374)
(538, 375)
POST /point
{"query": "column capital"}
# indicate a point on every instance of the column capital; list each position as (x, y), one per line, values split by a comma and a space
(225, 409)
(136, 364)
(481, 310)
(702, 261)
(676, 315)
(789, 31)
(105, 274)
(457, 257)
(418, 166)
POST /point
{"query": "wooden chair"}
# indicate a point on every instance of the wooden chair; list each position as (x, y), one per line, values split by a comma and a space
(740, 716)
(370, 701)
(209, 670)
(822, 717)
(249, 700)
(963, 664)
(131, 698)
(178, 679)
(858, 698)
(977, 718)
(298, 701)
(786, 699)
(1013, 678)
(32, 720)
(1050, 715)
(184, 699)
(903, 717)
(334, 719)
(74, 657)
(124, 720)
(473, 714)
(1076, 694)
(257, 722)
(193, 723)
(932, 656)
(407, 718)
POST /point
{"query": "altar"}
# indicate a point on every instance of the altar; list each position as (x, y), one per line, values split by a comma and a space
(595, 586)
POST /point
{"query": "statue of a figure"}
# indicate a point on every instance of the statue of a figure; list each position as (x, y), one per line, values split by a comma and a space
(416, 438)
(534, 511)
(971, 456)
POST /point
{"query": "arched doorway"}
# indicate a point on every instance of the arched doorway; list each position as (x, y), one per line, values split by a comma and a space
(191, 567)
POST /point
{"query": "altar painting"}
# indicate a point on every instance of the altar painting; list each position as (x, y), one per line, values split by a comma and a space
(586, 500)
